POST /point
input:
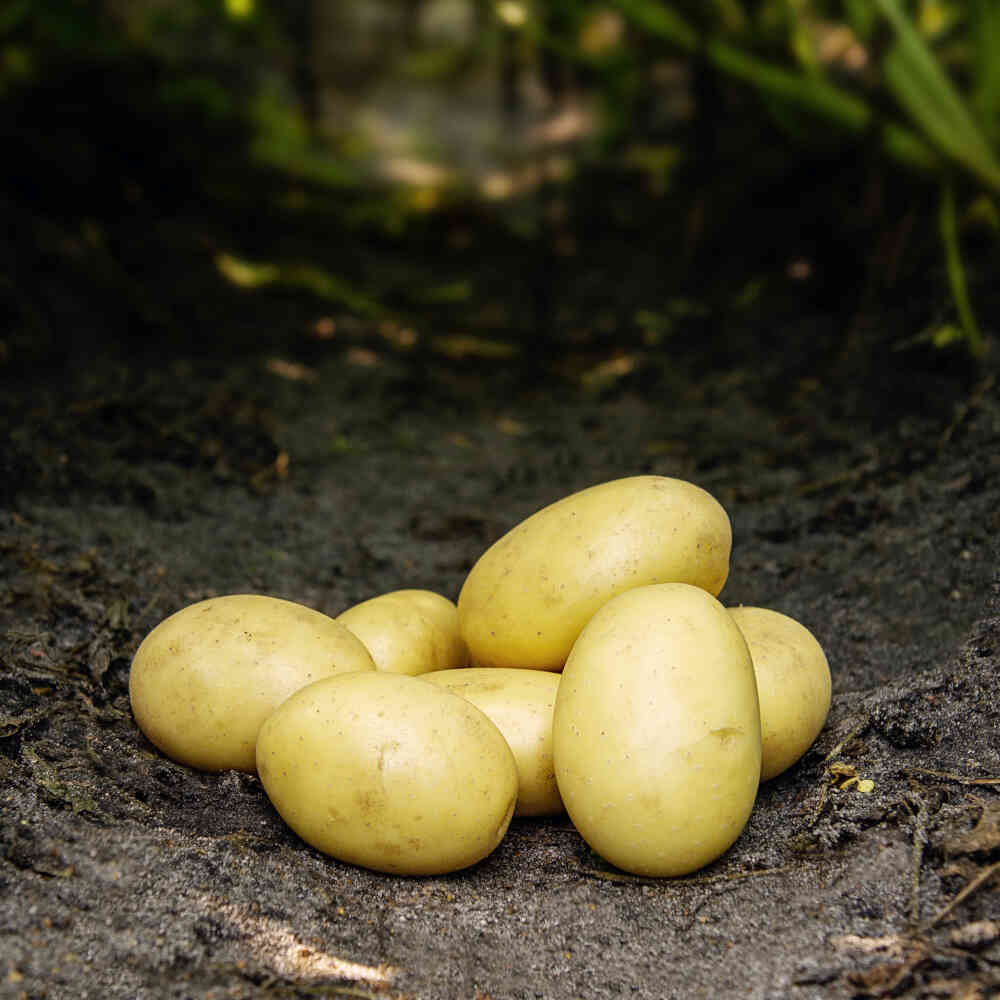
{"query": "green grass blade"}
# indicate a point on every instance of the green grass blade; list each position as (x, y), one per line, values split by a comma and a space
(923, 70)
(809, 92)
(826, 100)
(662, 22)
(937, 122)
(984, 30)
(918, 83)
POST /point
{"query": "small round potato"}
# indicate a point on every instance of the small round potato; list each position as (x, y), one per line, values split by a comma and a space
(656, 731)
(204, 679)
(529, 595)
(793, 682)
(408, 631)
(520, 703)
(388, 772)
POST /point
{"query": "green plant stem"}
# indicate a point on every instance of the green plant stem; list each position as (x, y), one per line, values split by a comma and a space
(948, 226)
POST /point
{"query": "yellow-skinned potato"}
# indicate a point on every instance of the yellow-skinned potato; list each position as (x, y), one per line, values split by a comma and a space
(656, 731)
(408, 631)
(529, 595)
(793, 682)
(520, 703)
(204, 679)
(388, 772)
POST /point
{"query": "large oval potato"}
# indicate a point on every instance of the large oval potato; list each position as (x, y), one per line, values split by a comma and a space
(656, 733)
(520, 703)
(204, 679)
(388, 772)
(793, 683)
(408, 631)
(529, 595)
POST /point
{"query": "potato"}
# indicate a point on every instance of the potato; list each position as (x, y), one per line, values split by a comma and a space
(529, 595)
(656, 733)
(793, 683)
(204, 679)
(520, 703)
(408, 631)
(389, 772)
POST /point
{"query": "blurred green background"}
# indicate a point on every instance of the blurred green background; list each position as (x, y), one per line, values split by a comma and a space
(573, 182)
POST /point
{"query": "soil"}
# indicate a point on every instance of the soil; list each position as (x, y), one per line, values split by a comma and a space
(282, 445)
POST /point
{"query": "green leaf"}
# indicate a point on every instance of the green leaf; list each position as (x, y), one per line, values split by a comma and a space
(812, 93)
(861, 16)
(984, 30)
(661, 21)
(917, 81)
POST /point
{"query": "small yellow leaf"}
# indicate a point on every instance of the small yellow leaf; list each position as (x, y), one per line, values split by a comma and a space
(840, 769)
(945, 335)
(244, 273)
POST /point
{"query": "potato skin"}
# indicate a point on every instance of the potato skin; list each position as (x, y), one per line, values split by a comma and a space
(389, 772)
(521, 704)
(793, 683)
(408, 631)
(525, 601)
(656, 731)
(205, 678)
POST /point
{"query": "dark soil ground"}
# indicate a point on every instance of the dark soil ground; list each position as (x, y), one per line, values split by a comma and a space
(152, 458)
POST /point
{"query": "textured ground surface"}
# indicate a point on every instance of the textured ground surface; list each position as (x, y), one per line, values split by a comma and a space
(865, 503)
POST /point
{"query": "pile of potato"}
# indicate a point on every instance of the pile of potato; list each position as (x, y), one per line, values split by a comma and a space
(587, 666)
